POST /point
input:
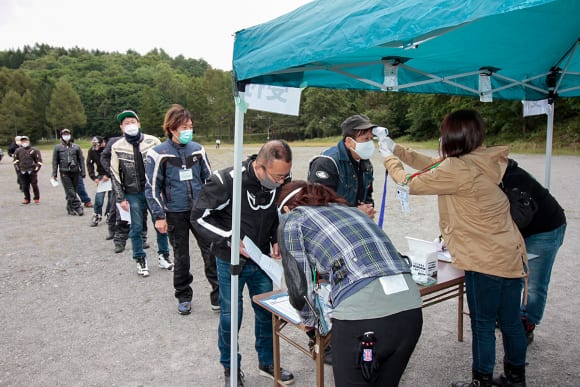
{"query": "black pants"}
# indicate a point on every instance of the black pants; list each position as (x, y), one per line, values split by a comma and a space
(396, 336)
(70, 183)
(178, 226)
(30, 179)
(119, 228)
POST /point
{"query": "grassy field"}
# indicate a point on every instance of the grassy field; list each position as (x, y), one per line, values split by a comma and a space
(519, 147)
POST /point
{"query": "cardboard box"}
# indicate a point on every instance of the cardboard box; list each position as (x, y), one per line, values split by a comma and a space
(423, 256)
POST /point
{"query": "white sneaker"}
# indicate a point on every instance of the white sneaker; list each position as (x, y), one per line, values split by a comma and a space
(142, 268)
(165, 262)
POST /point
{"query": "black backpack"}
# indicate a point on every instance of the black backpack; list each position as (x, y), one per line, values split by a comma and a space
(523, 207)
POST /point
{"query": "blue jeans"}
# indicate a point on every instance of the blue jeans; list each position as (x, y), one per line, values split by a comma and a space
(545, 245)
(492, 299)
(258, 282)
(137, 205)
(82, 191)
(100, 200)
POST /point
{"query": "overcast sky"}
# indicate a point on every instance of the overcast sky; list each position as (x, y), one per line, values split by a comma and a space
(193, 28)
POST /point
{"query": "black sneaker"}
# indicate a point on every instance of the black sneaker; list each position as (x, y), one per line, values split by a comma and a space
(95, 220)
(119, 248)
(286, 377)
(240, 378)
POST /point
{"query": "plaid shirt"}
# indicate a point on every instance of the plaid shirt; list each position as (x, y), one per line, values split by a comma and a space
(342, 244)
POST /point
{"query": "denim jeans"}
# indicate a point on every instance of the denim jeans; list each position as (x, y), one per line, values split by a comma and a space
(492, 299)
(82, 191)
(258, 282)
(100, 200)
(545, 245)
(137, 205)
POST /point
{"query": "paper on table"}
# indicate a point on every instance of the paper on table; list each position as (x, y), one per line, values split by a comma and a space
(125, 215)
(281, 304)
(104, 186)
(271, 267)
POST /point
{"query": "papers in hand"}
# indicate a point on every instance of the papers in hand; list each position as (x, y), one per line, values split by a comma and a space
(125, 215)
(53, 182)
(104, 186)
(269, 265)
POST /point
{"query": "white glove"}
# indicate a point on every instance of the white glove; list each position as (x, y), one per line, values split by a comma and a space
(386, 146)
(380, 132)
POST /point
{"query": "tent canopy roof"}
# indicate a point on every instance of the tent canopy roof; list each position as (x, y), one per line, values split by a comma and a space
(419, 46)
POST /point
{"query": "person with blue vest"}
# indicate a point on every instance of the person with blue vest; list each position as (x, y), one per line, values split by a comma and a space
(346, 167)
(176, 170)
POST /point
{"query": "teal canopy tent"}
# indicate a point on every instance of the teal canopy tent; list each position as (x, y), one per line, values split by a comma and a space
(495, 49)
(526, 47)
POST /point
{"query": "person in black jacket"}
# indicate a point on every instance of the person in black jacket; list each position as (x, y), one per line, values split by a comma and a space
(262, 175)
(543, 235)
(27, 161)
(68, 158)
(98, 174)
(11, 150)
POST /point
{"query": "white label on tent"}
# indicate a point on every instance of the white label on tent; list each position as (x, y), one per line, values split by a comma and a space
(535, 108)
(274, 99)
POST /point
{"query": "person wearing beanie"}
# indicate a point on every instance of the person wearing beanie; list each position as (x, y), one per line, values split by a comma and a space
(68, 158)
(27, 162)
(127, 169)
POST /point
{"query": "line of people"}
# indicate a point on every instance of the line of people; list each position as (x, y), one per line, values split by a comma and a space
(323, 231)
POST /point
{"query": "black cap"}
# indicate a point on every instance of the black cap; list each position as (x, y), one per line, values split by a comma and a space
(356, 122)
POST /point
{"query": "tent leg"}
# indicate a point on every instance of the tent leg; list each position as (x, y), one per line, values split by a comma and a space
(236, 215)
(549, 137)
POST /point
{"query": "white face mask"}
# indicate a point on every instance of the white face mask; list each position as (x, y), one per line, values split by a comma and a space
(25, 144)
(365, 149)
(131, 129)
(66, 137)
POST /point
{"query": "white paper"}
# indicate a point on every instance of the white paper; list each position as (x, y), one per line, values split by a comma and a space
(281, 304)
(535, 108)
(275, 99)
(125, 215)
(104, 186)
(269, 265)
(54, 182)
(393, 284)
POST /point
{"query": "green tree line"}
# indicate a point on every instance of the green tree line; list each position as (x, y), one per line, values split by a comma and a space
(44, 89)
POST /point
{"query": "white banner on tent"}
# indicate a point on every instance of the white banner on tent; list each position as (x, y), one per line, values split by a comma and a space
(274, 99)
(536, 108)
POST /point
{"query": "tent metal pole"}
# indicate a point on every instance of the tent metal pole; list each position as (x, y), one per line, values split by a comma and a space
(549, 137)
(236, 216)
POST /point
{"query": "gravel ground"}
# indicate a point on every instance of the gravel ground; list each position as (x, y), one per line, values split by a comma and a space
(74, 313)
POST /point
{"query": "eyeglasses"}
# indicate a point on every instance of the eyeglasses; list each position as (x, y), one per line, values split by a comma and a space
(277, 178)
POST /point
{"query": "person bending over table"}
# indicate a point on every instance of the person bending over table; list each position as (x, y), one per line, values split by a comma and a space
(372, 291)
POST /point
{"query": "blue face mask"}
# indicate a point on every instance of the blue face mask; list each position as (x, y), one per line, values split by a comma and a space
(185, 136)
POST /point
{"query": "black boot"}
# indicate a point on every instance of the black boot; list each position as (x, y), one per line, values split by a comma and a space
(513, 376)
(479, 380)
